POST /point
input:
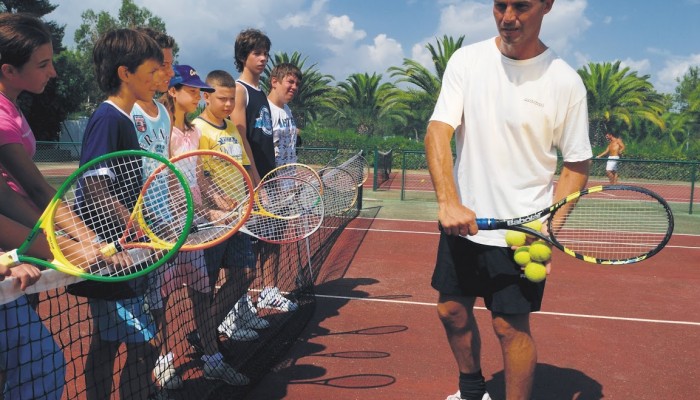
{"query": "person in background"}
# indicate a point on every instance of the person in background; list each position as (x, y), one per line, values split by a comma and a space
(614, 151)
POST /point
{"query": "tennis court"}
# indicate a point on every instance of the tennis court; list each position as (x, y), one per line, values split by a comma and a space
(613, 332)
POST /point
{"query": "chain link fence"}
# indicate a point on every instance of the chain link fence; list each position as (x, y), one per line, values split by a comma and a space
(676, 181)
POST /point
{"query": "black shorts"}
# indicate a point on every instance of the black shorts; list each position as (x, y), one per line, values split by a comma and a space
(465, 268)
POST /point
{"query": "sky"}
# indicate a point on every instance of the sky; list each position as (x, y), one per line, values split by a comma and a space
(659, 38)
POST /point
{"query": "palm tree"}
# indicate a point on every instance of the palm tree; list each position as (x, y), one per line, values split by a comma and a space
(616, 97)
(364, 104)
(312, 99)
(422, 98)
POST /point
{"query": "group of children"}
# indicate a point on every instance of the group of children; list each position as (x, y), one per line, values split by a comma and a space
(131, 67)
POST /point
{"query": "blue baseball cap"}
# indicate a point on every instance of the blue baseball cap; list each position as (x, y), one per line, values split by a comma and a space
(186, 75)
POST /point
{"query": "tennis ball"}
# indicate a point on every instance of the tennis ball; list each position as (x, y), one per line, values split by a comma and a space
(522, 256)
(515, 238)
(535, 225)
(540, 251)
(535, 272)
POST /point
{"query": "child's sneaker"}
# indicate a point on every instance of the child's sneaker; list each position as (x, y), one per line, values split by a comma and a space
(247, 315)
(224, 372)
(165, 373)
(272, 298)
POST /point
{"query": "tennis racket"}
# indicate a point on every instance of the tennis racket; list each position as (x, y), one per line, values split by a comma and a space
(616, 224)
(220, 189)
(110, 196)
(340, 193)
(356, 165)
(287, 209)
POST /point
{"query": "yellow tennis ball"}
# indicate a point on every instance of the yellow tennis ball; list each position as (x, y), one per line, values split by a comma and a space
(522, 256)
(535, 272)
(535, 225)
(540, 251)
(515, 238)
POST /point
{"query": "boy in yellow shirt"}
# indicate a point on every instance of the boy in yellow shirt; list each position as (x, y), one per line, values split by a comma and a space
(235, 256)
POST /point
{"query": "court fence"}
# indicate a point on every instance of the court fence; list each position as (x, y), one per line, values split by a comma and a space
(676, 181)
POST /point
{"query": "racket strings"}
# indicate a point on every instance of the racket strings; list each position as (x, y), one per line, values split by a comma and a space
(628, 225)
(220, 190)
(340, 192)
(286, 209)
(103, 198)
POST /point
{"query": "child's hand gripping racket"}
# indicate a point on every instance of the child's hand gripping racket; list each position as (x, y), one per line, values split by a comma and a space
(616, 224)
(110, 196)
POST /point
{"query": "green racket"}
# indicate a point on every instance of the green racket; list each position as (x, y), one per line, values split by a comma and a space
(141, 220)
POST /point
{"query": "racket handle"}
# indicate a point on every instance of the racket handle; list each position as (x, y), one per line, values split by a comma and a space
(486, 223)
(9, 259)
(109, 250)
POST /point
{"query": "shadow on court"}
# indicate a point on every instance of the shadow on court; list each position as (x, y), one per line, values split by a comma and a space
(553, 383)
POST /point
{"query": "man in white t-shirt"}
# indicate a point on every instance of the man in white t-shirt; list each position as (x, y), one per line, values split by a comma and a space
(512, 105)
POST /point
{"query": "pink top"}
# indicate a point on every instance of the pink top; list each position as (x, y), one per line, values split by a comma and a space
(182, 142)
(14, 129)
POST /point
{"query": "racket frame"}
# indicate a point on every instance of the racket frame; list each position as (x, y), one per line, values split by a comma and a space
(516, 224)
(45, 225)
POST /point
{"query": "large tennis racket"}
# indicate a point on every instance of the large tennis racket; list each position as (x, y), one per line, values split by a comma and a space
(340, 194)
(286, 209)
(220, 188)
(112, 196)
(617, 224)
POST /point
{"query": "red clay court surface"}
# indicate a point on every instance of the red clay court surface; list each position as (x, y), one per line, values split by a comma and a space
(627, 332)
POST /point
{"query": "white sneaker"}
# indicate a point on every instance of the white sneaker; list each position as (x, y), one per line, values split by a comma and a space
(236, 331)
(458, 396)
(272, 298)
(226, 373)
(247, 315)
(166, 375)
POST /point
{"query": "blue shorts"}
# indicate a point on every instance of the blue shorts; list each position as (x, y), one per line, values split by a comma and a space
(124, 321)
(236, 252)
(33, 362)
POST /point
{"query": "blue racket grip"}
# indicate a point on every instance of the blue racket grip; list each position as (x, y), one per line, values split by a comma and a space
(486, 223)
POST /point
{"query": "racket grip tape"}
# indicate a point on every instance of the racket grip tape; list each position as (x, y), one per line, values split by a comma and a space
(486, 223)
(9, 259)
(110, 250)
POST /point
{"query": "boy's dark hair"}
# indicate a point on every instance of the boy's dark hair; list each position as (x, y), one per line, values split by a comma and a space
(280, 71)
(122, 47)
(164, 41)
(20, 35)
(220, 77)
(247, 41)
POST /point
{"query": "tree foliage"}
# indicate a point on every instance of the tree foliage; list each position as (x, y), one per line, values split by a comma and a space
(617, 97)
(312, 98)
(93, 26)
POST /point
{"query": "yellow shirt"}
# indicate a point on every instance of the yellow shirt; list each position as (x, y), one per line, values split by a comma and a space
(227, 140)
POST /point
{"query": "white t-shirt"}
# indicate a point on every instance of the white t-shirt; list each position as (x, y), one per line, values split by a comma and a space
(284, 134)
(510, 117)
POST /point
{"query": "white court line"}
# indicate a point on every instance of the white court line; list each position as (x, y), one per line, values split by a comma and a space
(655, 321)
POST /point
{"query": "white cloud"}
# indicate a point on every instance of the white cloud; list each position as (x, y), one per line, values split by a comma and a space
(674, 68)
(642, 67)
(304, 18)
(343, 28)
(608, 20)
(384, 52)
(565, 24)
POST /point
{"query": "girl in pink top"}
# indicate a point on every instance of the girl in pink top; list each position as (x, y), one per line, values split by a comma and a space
(182, 98)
